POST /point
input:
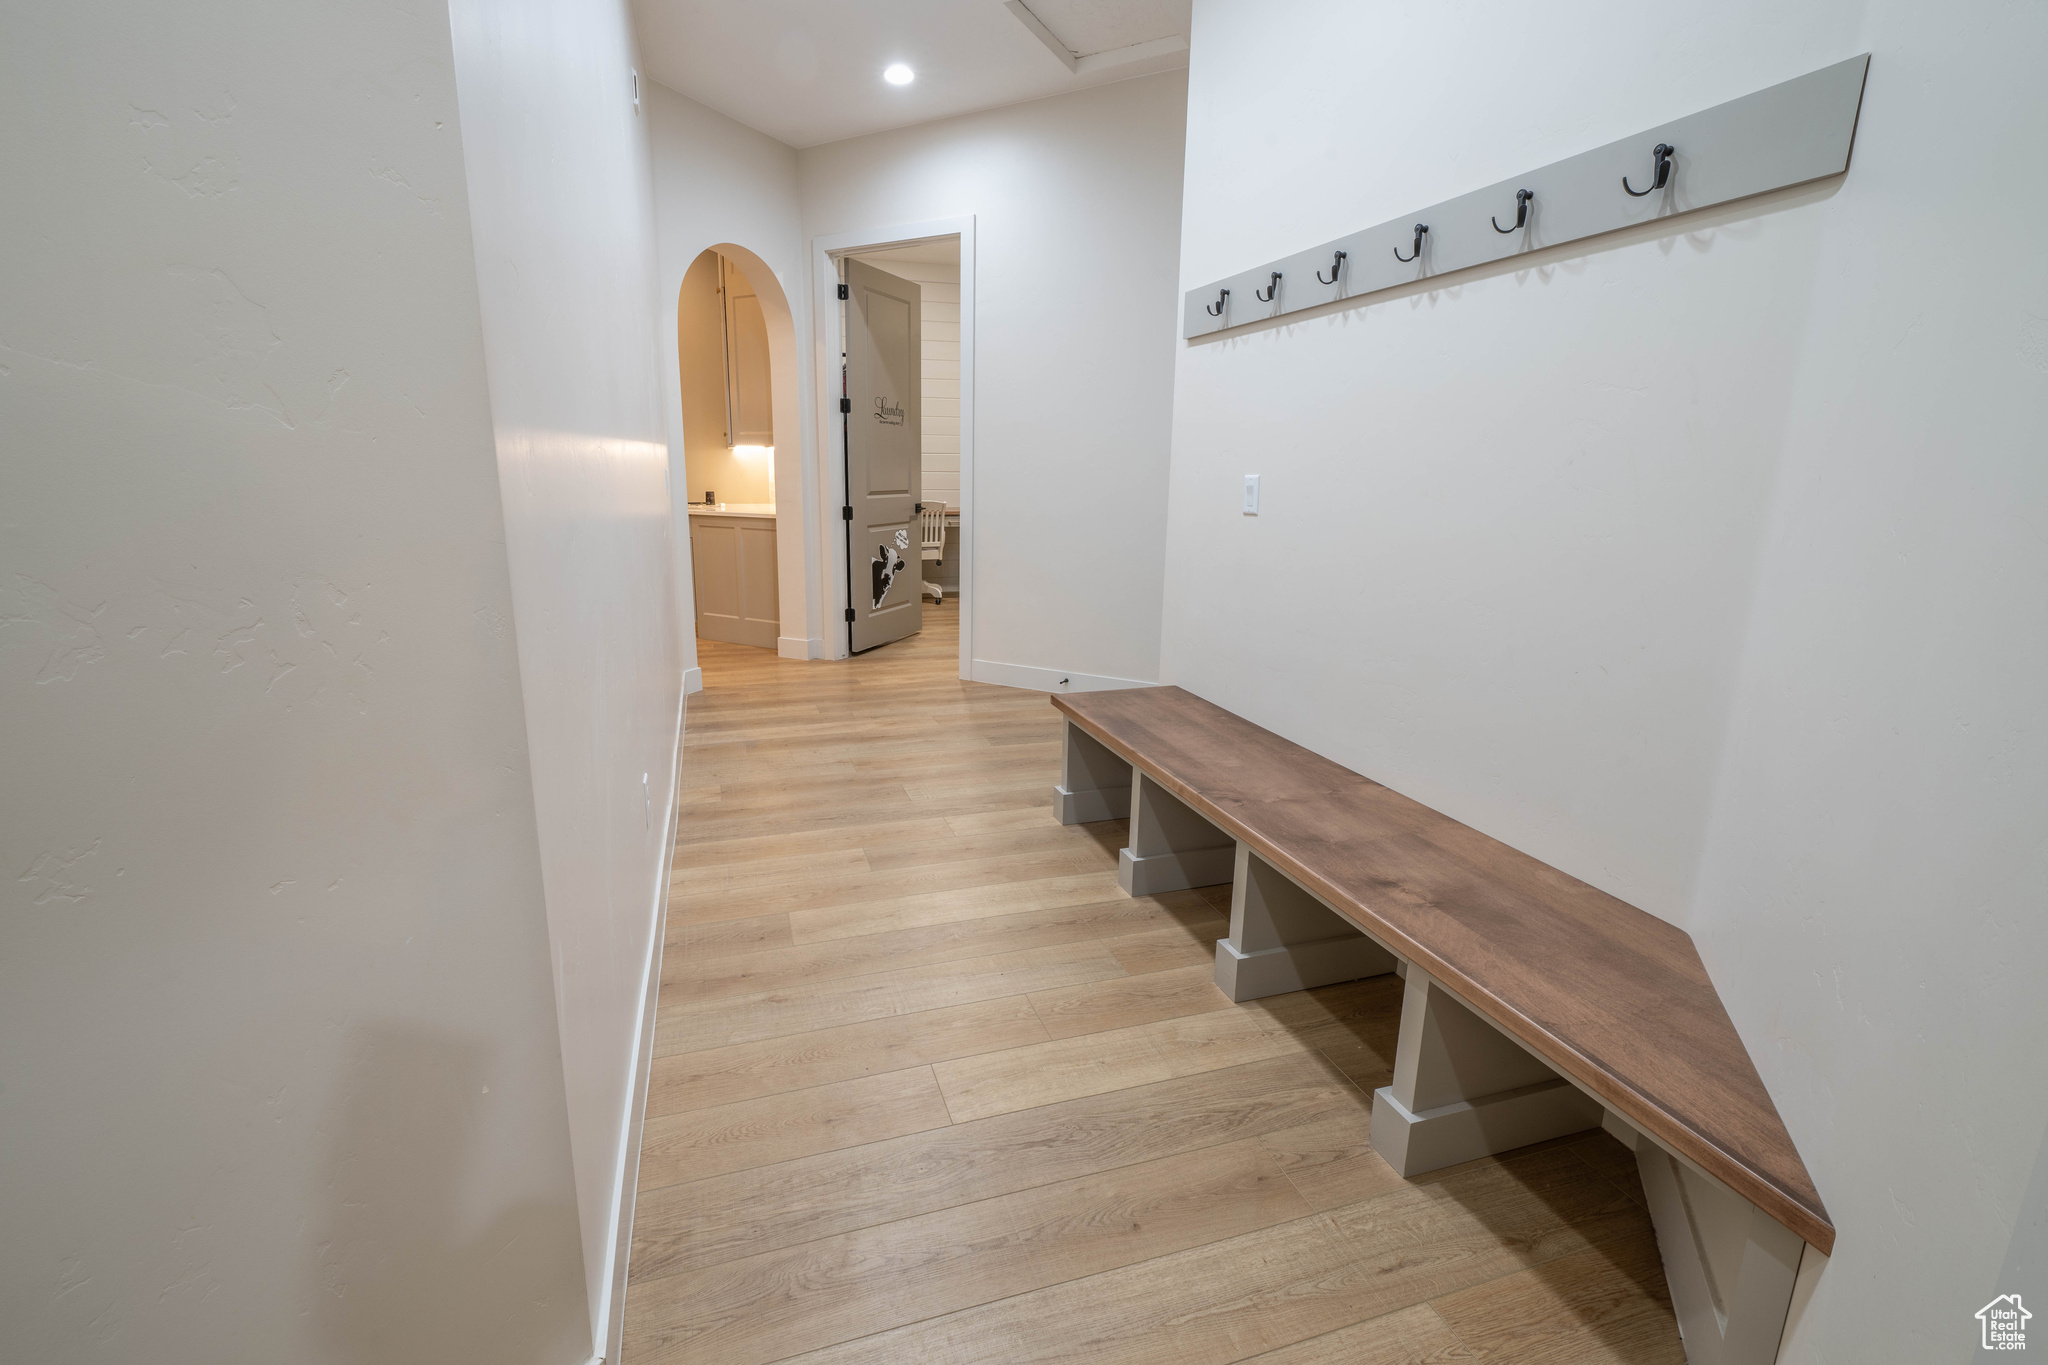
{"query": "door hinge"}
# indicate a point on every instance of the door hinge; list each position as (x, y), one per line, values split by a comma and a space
(842, 292)
(846, 405)
(849, 613)
(846, 514)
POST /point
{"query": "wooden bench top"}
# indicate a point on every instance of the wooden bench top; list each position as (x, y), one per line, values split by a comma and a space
(1610, 995)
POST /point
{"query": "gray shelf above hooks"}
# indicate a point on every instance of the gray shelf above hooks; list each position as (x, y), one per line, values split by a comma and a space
(1785, 135)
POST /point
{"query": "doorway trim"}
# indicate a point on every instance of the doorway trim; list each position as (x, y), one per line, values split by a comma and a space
(826, 249)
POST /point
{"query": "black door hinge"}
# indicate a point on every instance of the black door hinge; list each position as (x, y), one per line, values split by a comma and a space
(846, 405)
(842, 292)
(849, 613)
(846, 514)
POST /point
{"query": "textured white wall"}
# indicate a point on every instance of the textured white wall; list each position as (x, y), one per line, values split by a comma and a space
(1871, 887)
(1706, 565)
(1076, 202)
(280, 1076)
(562, 202)
(719, 183)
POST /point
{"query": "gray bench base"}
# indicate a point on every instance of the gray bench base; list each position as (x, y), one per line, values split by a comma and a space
(1300, 967)
(1087, 807)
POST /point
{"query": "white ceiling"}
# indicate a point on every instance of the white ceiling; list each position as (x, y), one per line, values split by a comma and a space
(810, 71)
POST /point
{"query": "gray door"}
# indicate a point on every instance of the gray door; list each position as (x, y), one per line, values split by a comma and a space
(884, 457)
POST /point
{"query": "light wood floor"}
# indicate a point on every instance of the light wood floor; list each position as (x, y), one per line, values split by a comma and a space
(929, 1088)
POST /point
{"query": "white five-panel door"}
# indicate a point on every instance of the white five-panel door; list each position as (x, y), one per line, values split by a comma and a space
(884, 457)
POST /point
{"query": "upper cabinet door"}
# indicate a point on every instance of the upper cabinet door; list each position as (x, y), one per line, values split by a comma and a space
(749, 399)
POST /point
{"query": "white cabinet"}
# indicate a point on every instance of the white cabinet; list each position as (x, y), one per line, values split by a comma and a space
(732, 559)
(750, 417)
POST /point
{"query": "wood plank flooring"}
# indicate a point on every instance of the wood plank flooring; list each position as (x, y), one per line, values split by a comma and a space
(929, 1088)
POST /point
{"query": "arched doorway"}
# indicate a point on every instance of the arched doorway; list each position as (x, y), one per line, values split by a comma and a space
(744, 562)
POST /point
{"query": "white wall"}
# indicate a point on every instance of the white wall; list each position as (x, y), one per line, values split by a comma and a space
(280, 1076)
(719, 183)
(1707, 566)
(1075, 201)
(562, 202)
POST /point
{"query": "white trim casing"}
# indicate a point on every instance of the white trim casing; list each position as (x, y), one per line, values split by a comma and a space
(827, 465)
(693, 680)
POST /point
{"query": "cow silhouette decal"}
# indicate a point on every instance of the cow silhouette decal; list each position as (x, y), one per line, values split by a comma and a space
(886, 564)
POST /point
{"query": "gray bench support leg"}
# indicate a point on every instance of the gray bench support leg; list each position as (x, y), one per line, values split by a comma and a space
(1283, 939)
(1732, 1268)
(1094, 783)
(1171, 848)
(1463, 1089)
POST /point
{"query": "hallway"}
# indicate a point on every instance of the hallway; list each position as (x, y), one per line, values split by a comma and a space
(928, 1087)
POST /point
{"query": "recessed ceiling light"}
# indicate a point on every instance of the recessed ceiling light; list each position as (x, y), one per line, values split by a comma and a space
(899, 74)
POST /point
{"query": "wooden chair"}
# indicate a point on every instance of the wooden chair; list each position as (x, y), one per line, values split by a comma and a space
(931, 525)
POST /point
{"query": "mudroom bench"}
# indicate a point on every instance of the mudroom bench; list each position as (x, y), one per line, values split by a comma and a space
(1533, 1005)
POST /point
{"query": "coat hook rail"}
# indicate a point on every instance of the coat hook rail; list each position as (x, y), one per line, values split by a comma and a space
(1793, 133)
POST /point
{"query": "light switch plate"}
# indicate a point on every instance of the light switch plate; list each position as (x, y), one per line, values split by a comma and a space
(1251, 495)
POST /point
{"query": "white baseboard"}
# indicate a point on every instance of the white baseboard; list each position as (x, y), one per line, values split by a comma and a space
(1049, 679)
(796, 647)
(693, 680)
(612, 1331)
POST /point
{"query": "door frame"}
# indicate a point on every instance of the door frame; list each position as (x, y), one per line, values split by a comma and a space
(827, 527)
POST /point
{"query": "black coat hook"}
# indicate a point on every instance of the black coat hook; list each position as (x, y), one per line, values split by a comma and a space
(1420, 230)
(1663, 154)
(1266, 295)
(1336, 269)
(1215, 310)
(1522, 198)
